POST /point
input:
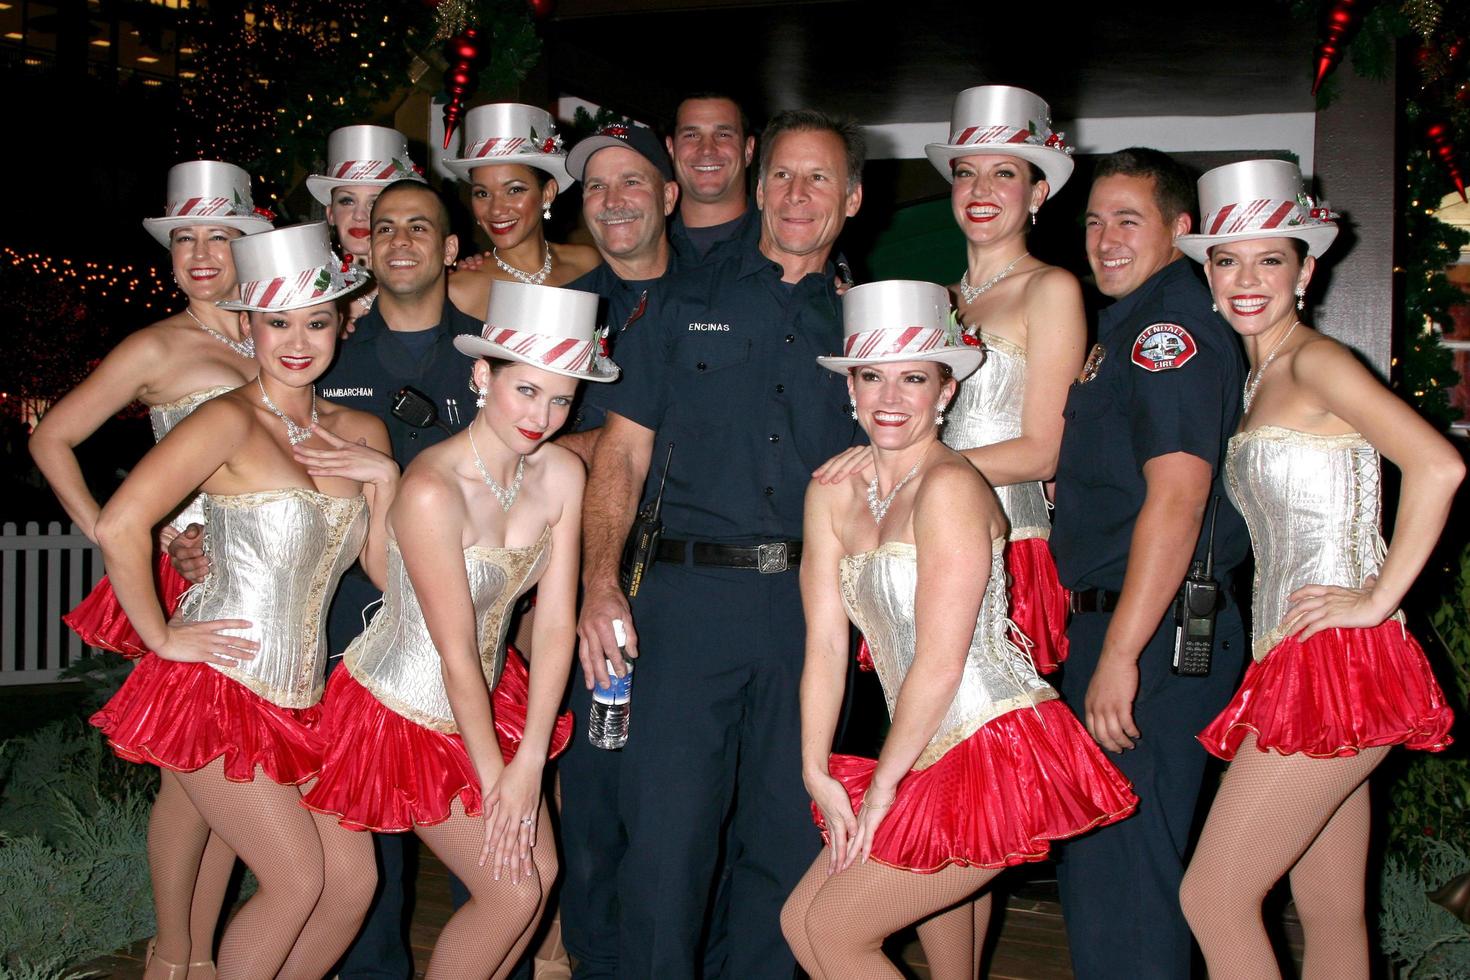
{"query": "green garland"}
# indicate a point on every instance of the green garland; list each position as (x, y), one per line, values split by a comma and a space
(275, 77)
(1433, 34)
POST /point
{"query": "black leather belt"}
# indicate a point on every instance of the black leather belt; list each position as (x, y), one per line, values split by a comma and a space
(1092, 600)
(767, 558)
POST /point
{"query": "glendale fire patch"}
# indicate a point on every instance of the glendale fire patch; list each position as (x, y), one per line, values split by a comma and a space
(1163, 346)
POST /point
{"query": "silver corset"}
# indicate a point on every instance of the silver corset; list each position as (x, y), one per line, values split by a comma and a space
(987, 409)
(163, 418)
(878, 593)
(395, 658)
(275, 559)
(1311, 503)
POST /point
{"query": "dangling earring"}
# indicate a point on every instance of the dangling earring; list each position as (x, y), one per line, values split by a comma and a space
(1301, 298)
(853, 401)
(1033, 216)
(939, 414)
(480, 393)
(546, 212)
(1214, 307)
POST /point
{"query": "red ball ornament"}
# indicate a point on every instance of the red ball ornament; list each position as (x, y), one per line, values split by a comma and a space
(1439, 135)
(1343, 20)
(462, 51)
(541, 9)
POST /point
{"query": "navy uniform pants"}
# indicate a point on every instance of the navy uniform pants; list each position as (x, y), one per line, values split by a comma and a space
(715, 724)
(592, 840)
(1120, 885)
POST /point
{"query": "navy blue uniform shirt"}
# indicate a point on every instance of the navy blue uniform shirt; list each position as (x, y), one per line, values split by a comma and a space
(715, 243)
(1168, 381)
(723, 364)
(372, 364)
(624, 301)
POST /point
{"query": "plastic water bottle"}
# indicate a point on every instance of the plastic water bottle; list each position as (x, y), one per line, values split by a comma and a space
(607, 724)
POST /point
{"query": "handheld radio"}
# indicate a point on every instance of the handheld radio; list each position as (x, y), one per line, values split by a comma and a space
(1194, 611)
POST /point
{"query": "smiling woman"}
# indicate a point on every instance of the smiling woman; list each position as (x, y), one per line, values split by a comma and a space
(515, 165)
(172, 367)
(983, 767)
(294, 490)
(1337, 679)
(361, 161)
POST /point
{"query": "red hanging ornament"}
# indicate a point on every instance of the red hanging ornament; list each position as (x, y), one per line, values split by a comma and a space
(462, 51)
(1342, 22)
(541, 9)
(1439, 140)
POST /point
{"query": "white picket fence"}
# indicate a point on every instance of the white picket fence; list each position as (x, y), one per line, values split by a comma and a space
(43, 574)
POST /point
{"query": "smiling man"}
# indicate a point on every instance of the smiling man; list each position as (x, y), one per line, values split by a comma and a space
(407, 338)
(1146, 426)
(723, 365)
(712, 148)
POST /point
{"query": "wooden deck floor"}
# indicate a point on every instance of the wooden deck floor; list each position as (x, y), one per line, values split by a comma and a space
(1029, 944)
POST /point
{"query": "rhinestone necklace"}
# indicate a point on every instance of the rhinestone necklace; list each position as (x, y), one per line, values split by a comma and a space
(972, 293)
(506, 495)
(245, 348)
(295, 434)
(1253, 380)
(530, 278)
(879, 508)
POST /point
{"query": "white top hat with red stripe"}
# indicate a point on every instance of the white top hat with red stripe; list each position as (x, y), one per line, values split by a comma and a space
(207, 192)
(1008, 121)
(374, 155)
(508, 132)
(901, 320)
(549, 327)
(1258, 199)
(290, 268)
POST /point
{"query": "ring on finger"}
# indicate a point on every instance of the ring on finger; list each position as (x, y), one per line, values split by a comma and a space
(527, 821)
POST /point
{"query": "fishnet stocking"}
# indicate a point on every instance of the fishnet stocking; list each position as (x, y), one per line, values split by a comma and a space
(954, 939)
(1276, 814)
(835, 925)
(190, 870)
(349, 881)
(267, 826)
(488, 934)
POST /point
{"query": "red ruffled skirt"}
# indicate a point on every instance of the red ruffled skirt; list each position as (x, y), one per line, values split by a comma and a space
(101, 623)
(385, 773)
(183, 716)
(1342, 691)
(998, 798)
(1038, 601)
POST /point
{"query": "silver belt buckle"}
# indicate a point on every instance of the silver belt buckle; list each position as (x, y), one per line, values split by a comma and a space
(771, 558)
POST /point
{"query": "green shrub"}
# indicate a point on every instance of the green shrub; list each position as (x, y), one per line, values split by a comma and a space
(73, 851)
(1424, 940)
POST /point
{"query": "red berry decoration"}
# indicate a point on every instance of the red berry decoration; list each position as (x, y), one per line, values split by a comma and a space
(462, 51)
(1439, 139)
(1343, 20)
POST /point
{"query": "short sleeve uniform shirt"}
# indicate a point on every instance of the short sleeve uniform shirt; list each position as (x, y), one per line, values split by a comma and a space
(723, 365)
(1164, 377)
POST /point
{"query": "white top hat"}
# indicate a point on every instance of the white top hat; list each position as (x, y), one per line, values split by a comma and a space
(290, 268)
(508, 132)
(1002, 119)
(207, 192)
(549, 327)
(1258, 199)
(373, 155)
(901, 320)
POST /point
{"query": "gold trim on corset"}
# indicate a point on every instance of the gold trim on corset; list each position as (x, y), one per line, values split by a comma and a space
(1003, 345)
(530, 561)
(192, 399)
